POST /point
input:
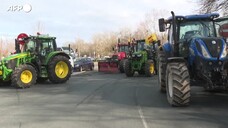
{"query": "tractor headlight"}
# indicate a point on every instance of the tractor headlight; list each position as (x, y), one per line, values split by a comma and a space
(139, 55)
(133, 55)
(224, 52)
(204, 52)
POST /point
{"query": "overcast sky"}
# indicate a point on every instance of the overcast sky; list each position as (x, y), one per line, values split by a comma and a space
(69, 19)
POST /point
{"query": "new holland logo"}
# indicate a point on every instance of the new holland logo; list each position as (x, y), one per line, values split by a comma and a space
(213, 42)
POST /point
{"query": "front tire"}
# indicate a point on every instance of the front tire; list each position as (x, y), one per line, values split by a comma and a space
(128, 69)
(161, 71)
(149, 68)
(59, 69)
(121, 66)
(178, 84)
(24, 76)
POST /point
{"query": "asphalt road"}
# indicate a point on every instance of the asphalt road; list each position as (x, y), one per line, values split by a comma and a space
(99, 100)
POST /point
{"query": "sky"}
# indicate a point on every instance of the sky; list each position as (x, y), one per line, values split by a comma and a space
(71, 19)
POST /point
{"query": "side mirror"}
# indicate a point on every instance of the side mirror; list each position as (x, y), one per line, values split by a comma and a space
(162, 25)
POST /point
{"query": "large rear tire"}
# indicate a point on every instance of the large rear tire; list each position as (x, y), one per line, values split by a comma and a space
(59, 69)
(161, 70)
(24, 76)
(149, 68)
(121, 66)
(178, 84)
(128, 69)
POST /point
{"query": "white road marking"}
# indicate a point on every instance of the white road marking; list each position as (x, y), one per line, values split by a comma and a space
(140, 111)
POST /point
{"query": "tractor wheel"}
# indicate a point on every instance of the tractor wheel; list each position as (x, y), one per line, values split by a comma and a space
(128, 70)
(161, 70)
(178, 84)
(121, 66)
(24, 76)
(59, 69)
(149, 68)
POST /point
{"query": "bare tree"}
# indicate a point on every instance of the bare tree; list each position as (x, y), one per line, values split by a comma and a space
(6, 46)
(208, 6)
(150, 25)
(103, 43)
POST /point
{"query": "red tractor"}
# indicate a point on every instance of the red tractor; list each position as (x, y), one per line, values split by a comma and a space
(122, 52)
(116, 62)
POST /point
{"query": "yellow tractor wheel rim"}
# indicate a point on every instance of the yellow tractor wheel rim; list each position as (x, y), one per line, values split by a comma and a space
(61, 69)
(152, 68)
(26, 76)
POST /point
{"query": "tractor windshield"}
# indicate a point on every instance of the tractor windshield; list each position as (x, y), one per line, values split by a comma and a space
(46, 46)
(29, 46)
(123, 48)
(192, 29)
(140, 45)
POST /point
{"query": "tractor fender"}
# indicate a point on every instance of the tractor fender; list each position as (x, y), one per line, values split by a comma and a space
(176, 59)
(56, 53)
(167, 48)
(34, 66)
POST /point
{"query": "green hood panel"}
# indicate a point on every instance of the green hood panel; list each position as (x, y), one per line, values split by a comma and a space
(15, 56)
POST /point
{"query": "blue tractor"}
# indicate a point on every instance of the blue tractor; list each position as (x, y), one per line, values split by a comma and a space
(196, 52)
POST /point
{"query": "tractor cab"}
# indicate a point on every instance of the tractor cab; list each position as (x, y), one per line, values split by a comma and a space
(41, 46)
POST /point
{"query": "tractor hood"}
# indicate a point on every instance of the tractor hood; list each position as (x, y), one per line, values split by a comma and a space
(210, 47)
(137, 54)
(14, 56)
(11, 61)
(121, 55)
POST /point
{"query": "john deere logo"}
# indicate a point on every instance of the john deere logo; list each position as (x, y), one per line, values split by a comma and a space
(213, 42)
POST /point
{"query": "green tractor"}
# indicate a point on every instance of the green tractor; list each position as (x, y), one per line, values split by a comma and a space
(141, 60)
(36, 59)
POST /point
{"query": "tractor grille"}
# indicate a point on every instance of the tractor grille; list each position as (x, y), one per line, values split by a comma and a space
(11, 64)
(136, 58)
(214, 46)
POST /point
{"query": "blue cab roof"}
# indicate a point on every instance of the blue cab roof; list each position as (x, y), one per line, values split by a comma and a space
(210, 16)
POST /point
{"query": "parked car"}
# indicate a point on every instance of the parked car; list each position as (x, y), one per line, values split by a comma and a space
(83, 64)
